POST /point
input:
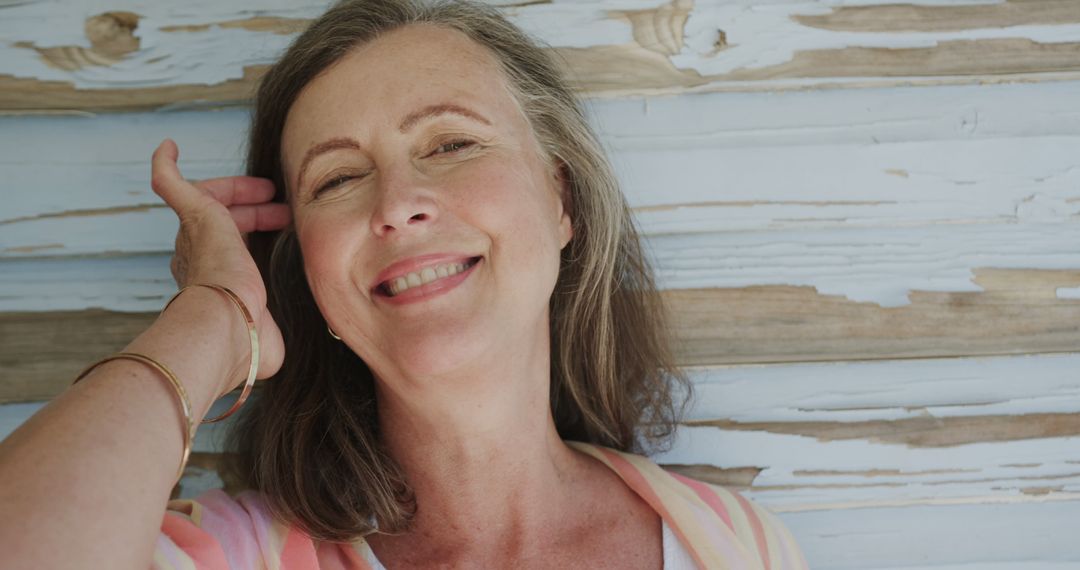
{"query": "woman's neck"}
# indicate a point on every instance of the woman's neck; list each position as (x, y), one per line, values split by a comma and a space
(483, 458)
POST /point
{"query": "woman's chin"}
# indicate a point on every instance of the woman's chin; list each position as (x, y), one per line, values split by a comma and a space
(435, 355)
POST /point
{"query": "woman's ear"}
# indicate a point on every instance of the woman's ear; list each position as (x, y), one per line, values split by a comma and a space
(562, 181)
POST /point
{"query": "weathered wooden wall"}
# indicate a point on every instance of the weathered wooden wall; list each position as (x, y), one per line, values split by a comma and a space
(863, 214)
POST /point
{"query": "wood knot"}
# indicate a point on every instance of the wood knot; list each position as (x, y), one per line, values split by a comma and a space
(113, 33)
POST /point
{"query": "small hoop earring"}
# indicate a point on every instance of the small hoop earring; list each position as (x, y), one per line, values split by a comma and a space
(331, 331)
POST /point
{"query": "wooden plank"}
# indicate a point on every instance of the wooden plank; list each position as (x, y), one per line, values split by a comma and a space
(871, 211)
(1017, 312)
(158, 55)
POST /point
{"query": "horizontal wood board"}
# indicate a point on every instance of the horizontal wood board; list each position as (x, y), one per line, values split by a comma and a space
(133, 54)
(1018, 312)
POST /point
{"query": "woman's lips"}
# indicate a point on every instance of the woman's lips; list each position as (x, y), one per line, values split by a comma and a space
(426, 282)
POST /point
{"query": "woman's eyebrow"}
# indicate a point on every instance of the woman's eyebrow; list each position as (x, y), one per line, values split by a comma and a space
(431, 111)
(322, 148)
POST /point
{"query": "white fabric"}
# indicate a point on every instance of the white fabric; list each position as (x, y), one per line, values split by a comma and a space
(676, 556)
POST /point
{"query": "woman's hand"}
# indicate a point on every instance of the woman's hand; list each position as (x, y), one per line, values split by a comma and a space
(215, 215)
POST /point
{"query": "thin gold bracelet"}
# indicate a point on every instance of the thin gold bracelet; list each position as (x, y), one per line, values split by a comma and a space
(181, 395)
(253, 335)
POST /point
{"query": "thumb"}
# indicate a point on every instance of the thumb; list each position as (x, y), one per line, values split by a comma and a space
(165, 179)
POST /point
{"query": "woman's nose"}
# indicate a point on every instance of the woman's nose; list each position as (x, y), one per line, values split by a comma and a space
(404, 205)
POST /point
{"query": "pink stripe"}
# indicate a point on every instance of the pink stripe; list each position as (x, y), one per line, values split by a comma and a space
(759, 531)
(709, 496)
(637, 482)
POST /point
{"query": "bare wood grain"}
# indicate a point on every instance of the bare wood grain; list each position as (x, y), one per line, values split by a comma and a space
(983, 57)
(923, 18)
(41, 353)
(928, 431)
(270, 24)
(1019, 312)
(21, 94)
(734, 477)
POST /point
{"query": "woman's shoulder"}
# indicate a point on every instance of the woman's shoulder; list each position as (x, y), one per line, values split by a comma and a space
(216, 530)
(718, 523)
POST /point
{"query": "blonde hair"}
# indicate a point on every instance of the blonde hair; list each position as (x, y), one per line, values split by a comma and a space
(311, 443)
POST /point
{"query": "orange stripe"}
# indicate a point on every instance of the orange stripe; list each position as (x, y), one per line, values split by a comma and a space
(298, 551)
(203, 549)
(709, 496)
(639, 484)
(759, 531)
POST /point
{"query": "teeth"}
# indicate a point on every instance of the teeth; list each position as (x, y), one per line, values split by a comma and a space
(426, 275)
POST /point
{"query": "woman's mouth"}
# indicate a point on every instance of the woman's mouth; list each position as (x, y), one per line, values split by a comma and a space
(431, 277)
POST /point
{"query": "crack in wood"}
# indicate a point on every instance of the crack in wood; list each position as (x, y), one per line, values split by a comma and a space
(1040, 491)
(878, 472)
(85, 213)
(270, 24)
(32, 248)
(755, 203)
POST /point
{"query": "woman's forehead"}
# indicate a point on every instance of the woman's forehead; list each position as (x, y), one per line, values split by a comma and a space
(398, 70)
(382, 82)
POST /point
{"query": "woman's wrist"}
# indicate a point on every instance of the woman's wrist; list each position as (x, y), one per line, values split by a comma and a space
(204, 339)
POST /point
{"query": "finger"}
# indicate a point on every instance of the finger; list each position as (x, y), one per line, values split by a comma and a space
(261, 218)
(232, 190)
(167, 182)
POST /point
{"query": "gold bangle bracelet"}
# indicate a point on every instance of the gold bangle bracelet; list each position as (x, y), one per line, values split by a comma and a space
(181, 395)
(253, 336)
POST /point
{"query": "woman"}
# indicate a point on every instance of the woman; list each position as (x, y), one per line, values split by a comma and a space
(455, 291)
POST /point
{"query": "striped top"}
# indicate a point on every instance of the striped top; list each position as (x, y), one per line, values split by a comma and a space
(676, 557)
(718, 528)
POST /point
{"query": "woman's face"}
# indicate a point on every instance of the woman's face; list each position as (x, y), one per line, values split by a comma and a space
(429, 222)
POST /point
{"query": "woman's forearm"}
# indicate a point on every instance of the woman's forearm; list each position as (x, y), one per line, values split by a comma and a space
(84, 481)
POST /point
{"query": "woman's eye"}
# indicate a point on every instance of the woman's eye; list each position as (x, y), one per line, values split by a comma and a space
(452, 147)
(334, 183)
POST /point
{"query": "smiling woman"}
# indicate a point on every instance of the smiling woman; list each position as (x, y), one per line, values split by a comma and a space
(466, 346)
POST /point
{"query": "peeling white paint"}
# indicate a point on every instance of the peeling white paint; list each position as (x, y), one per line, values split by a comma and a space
(1068, 293)
(891, 390)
